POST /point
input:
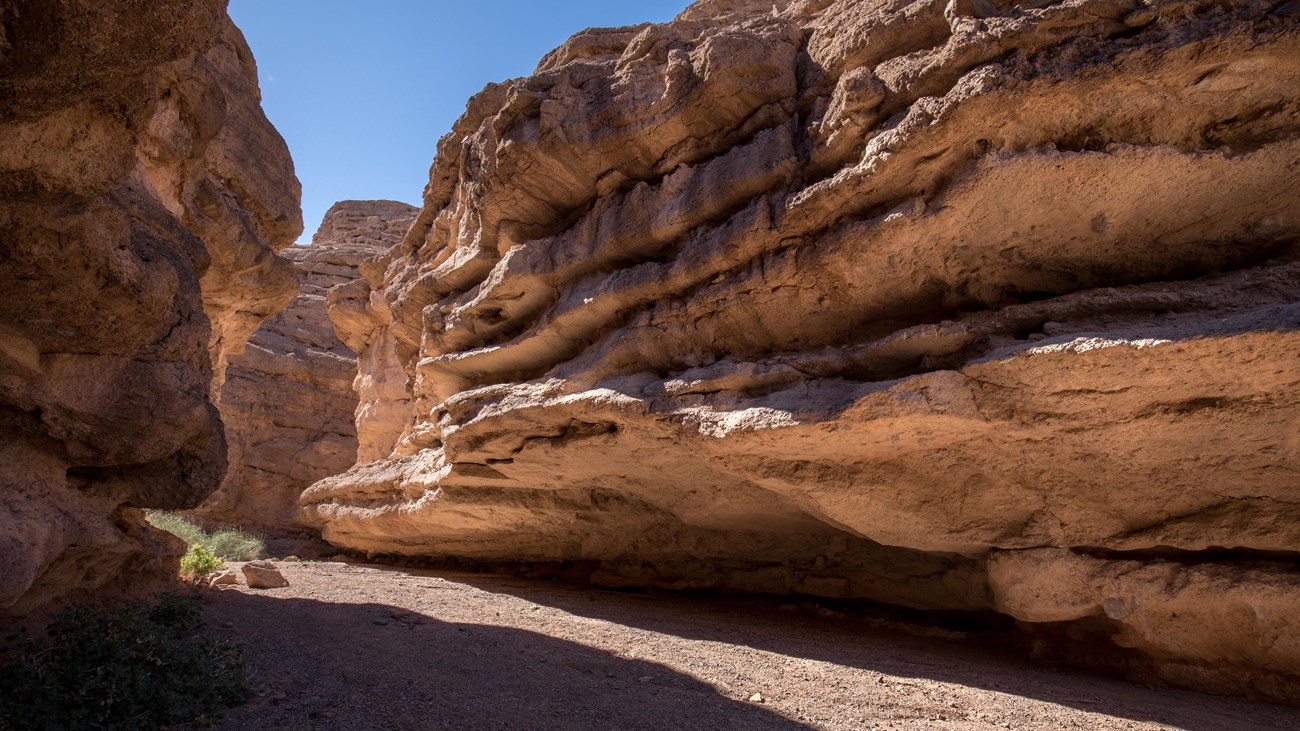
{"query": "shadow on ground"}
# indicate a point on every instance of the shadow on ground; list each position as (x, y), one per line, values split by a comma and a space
(885, 645)
(374, 666)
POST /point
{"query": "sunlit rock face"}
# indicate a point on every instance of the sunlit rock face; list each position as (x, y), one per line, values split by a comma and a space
(943, 304)
(288, 402)
(143, 194)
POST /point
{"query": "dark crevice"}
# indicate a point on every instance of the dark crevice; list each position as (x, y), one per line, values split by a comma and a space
(1085, 642)
(580, 572)
(1186, 557)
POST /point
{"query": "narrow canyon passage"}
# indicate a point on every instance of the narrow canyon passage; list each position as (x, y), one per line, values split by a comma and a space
(979, 307)
(349, 646)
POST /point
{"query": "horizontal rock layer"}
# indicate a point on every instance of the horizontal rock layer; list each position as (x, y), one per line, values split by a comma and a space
(143, 194)
(943, 304)
(288, 403)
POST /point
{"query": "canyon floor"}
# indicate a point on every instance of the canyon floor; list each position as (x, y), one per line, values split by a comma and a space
(352, 646)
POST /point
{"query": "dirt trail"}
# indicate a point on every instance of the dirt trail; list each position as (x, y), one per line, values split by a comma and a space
(348, 646)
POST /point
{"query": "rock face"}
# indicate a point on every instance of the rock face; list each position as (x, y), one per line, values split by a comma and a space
(955, 304)
(142, 197)
(288, 402)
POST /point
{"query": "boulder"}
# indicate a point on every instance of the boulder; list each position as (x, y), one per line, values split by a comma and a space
(263, 575)
(224, 578)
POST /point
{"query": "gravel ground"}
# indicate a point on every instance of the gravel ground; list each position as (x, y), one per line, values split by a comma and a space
(350, 646)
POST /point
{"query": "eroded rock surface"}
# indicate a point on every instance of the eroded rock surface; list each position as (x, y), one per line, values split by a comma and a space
(867, 300)
(142, 197)
(288, 403)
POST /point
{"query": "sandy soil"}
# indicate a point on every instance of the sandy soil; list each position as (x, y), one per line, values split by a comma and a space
(349, 646)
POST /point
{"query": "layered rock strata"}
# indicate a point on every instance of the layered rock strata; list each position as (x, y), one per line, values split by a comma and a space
(288, 402)
(143, 194)
(956, 304)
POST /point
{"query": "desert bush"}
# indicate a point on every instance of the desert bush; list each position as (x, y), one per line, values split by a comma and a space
(133, 668)
(187, 530)
(230, 544)
(199, 562)
(236, 545)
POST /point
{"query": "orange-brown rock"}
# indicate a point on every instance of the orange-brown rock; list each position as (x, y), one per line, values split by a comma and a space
(142, 197)
(263, 575)
(867, 300)
(288, 403)
(1228, 625)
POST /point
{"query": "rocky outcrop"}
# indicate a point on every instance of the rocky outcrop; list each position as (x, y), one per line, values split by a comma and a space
(288, 402)
(380, 384)
(142, 197)
(962, 305)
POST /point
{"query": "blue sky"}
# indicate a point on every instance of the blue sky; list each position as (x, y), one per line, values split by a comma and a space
(362, 91)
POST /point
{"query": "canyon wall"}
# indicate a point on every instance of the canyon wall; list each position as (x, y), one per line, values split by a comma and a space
(143, 195)
(288, 402)
(953, 304)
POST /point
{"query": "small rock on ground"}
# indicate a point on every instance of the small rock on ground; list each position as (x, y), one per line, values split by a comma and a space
(264, 575)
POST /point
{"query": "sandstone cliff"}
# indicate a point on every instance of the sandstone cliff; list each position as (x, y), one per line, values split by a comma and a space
(955, 304)
(288, 402)
(142, 197)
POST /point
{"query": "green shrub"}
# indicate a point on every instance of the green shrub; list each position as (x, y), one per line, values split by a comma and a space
(230, 544)
(236, 545)
(126, 669)
(181, 613)
(199, 562)
(186, 529)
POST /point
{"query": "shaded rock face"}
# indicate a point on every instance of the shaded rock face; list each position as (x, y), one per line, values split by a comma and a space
(288, 403)
(957, 305)
(142, 197)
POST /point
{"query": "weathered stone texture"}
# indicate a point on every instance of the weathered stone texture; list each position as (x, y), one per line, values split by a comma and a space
(288, 402)
(866, 299)
(142, 197)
